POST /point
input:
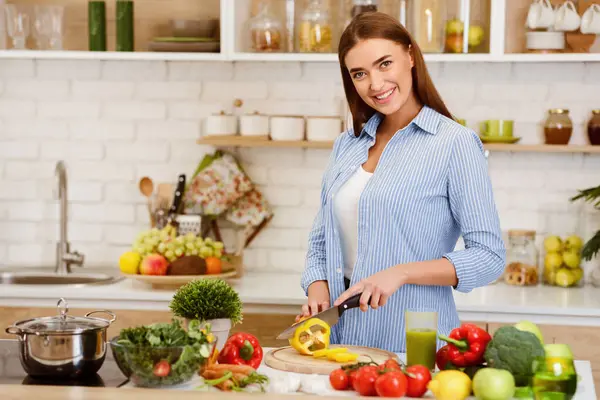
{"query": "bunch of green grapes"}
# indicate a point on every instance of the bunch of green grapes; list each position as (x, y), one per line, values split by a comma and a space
(149, 242)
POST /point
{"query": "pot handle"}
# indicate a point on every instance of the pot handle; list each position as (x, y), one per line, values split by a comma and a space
(13, 330)
(112, 314)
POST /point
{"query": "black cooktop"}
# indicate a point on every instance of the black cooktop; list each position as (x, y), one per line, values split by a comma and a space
(12, 373)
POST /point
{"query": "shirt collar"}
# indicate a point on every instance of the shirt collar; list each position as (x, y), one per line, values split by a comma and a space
(427, 119)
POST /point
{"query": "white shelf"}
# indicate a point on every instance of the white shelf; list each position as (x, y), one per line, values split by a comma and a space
(109, 55)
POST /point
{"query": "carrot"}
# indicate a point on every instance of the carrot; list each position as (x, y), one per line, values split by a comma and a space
(242, 369)
(210, 374)
(226, 385)
(238, 377)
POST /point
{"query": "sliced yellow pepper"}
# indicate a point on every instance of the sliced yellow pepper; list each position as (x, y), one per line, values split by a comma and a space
(342, 357)
(327, 352)
(311, 336)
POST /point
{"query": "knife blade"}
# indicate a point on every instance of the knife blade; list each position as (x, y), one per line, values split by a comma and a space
(331, 316)
(177, 197)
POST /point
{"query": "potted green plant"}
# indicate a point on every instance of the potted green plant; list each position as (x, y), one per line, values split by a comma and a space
(592, 246)
(211, 301)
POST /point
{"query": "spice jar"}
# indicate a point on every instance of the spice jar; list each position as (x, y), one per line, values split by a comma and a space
(266, 31)
(593, 128)
(521, 259)
(362, 6)
(314, 29)
(558, 127)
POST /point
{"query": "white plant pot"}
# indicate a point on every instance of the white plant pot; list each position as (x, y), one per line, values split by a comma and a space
(220, 328)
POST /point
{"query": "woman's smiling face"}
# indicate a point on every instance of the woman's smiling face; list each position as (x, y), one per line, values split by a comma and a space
(381, 72)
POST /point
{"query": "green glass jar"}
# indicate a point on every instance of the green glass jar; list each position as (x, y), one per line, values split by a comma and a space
(125, 26)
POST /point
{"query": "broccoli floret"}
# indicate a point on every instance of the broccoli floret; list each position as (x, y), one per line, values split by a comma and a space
(514, 350)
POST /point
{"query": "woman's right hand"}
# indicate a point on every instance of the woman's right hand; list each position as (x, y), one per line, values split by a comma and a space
(318, 300)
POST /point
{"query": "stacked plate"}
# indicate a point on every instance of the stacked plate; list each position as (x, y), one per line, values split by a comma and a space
(189, 36)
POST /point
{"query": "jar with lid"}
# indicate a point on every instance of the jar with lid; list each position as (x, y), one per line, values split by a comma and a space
(265, 30)
(558, 127)
(521, 259)
(593, 128)
(362, 6)
(562, 260)
(315, 29)
(426, 24)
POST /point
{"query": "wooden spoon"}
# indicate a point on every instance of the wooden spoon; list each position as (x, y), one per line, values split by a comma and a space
(147, 189)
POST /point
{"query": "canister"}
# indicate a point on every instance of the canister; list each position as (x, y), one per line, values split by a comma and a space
(323, 129)
(254, 124)
(287, 127)
(221, 124)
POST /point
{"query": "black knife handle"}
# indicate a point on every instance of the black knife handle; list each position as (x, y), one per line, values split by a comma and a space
(351, 302)
(178, 195)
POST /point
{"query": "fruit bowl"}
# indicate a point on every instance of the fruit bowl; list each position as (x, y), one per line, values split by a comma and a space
(147, 366)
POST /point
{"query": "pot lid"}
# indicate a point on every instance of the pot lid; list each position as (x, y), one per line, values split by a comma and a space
(63, 323)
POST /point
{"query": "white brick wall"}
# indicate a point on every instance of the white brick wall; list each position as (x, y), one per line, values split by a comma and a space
(114, 122)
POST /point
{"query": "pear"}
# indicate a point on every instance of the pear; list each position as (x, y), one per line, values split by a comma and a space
(553, 244)
(574, 243)
(475, 35)
(454, 27)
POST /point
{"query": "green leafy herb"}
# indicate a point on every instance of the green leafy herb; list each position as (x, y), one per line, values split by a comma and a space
(144, 347)
(207, 299)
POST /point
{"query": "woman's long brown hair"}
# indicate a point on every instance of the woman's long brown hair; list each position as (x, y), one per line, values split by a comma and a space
(377, 25)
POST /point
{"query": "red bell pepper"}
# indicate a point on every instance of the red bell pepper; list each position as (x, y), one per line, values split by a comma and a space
(241, 349)
(466, 345)
(441, 358)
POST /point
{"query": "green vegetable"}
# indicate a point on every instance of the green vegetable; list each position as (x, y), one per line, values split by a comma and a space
(207, 299)
(143, 347)
(514, 350)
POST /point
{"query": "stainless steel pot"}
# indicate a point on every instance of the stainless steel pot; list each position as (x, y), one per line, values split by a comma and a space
(62, 345)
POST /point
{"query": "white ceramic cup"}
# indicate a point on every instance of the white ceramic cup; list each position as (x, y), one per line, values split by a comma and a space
(540, 15)
(567, 18)
(590, 21)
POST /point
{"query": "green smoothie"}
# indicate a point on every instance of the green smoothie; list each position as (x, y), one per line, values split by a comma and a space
(421, 347)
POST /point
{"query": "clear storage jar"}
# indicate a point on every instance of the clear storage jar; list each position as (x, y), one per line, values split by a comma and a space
(521, 259)
(315, 29)
(562, 260)
(265, 30)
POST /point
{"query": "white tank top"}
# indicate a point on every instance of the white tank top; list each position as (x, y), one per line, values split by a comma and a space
(346, 214)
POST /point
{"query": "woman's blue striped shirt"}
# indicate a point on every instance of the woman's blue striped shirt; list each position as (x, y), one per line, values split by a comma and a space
(431, 186)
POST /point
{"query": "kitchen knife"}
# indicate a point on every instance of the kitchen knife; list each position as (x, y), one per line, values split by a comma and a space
(331, 316)
(177, 197)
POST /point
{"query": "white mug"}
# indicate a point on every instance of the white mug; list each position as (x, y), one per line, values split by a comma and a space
(567, 18)
(540, 15)
(590, 21)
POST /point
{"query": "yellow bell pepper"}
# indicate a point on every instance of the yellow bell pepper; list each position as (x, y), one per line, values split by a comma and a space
(310, 336)
(328, 352)
(342, 357)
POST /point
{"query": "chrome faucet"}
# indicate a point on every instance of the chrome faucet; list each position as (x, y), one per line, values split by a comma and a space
(64, 257)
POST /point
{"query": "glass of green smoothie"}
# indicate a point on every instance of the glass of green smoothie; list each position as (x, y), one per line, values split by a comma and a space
(421, 337)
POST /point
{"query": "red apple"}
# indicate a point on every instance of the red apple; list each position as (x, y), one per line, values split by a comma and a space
(154, 264)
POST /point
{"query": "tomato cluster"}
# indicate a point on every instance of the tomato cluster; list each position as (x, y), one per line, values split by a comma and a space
(389, 379)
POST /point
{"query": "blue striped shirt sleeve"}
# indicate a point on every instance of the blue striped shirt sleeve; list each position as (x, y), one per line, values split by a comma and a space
(473, 207)
(315, 266)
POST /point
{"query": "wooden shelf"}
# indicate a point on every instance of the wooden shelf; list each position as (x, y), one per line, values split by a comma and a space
(526, 148)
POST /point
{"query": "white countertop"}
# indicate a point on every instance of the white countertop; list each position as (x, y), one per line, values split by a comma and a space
(281, 293)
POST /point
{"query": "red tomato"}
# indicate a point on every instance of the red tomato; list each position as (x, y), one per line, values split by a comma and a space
(162, 369)
(339, 379)
(364, 381)
(391, 384)
(417, 386)
(390, 365)
(352, 378)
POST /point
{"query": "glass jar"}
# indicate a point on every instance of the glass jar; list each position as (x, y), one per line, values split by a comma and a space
(265, 30)
(593, 128)
(315, 29)
(427, 24)
(362, 6)
(521, 259)
(558, 127)
(562, 261)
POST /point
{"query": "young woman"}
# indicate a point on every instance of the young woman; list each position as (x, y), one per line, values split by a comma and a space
(401, 186)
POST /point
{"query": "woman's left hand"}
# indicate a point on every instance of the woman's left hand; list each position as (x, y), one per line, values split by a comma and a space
(379, 287)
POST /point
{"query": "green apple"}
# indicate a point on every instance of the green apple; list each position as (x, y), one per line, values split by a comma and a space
(553, 244)
(528, 326)
(493, 384)
(558, 350)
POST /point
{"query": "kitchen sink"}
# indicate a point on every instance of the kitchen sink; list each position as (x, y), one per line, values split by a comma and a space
(26, 276)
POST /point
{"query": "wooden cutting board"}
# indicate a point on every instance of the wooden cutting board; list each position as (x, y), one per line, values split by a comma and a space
(288, 359)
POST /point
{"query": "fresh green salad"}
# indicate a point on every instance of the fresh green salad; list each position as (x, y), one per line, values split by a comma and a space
(164, 353)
